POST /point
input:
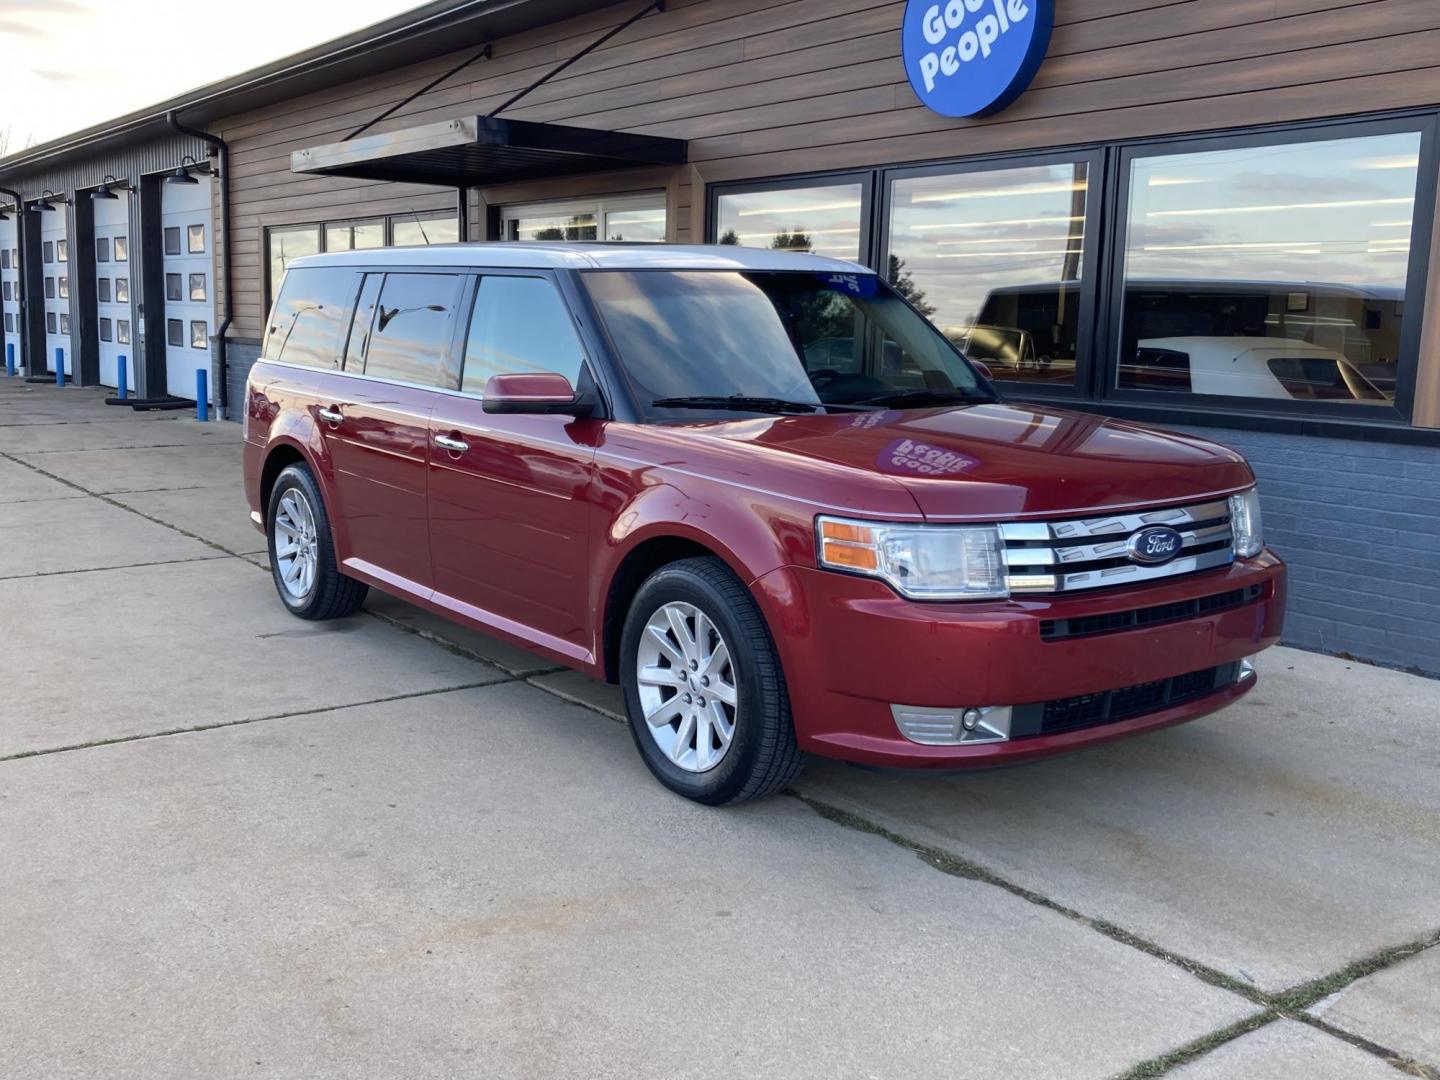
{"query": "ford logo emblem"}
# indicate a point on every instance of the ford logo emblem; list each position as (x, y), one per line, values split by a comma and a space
(1154, 546)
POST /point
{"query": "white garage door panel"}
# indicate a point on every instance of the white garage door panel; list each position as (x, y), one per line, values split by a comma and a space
(55, 269)
(189, 288)
(113, 290)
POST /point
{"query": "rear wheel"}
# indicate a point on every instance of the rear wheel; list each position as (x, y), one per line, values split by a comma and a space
(302, 551)
(703, 687)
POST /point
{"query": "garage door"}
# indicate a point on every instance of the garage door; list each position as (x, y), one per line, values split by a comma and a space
(55, 267)
(9, 290)
(189, 292)
(112, 289)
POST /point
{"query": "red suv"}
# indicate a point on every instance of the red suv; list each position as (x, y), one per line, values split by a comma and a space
(757, 489)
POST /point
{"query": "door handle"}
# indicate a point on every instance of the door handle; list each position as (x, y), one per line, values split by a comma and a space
(455, 446)
(331, 415)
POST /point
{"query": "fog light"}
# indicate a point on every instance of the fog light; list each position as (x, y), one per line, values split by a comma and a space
(952, 727)
(1246, 669)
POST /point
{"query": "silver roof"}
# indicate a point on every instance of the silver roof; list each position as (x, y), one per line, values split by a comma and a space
(587, 256)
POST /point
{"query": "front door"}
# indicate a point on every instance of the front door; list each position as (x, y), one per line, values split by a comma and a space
(509, 494)
(376, 427)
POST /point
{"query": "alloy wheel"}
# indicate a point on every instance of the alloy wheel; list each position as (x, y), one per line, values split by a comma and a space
(687, 685)
(297, 544)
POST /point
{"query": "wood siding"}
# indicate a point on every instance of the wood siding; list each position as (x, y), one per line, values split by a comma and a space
(766, 89)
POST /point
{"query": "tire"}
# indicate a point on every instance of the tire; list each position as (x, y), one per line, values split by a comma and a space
(760, 756)
(319, 591)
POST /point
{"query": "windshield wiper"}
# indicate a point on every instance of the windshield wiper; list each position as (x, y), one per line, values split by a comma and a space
(926, 397)
(737, 403)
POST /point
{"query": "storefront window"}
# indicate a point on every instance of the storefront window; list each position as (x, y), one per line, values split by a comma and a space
(826, 219)
(1270, 272)
(636, 218)
(583, 225)
(354, 235)
(995, 259)
(417, 229)
(286, 245)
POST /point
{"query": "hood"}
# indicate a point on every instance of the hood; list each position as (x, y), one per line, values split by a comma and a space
(1003, 461)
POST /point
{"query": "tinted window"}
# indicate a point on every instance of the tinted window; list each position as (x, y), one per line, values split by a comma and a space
(411, 331)
(790, 335)
(520, 325)
(312, 310)
(361, 323)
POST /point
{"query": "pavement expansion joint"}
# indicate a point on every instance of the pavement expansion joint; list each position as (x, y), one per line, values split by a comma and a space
(244, 721)
(107, 569)
(1285, 1004)
(120, 505)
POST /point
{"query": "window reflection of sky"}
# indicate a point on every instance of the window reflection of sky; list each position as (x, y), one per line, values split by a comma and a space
(828, 218)
(961, 236)
(1335, 211)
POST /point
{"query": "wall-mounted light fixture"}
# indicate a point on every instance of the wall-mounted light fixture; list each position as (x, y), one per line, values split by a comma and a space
(44, 202)
(181, 175)
(107, 188)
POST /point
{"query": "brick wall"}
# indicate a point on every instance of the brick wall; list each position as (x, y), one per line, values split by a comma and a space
(1359, 524)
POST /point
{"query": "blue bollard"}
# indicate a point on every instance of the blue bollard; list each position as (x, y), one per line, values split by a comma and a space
(59, 366)
(202, 396)
(10, 360)
(120, 378)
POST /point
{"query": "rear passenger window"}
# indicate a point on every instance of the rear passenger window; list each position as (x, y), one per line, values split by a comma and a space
(312, 311)
(410, 334)
(520, 325)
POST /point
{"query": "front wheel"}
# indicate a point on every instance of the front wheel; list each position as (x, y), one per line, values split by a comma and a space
(703, 687)
(302, 551)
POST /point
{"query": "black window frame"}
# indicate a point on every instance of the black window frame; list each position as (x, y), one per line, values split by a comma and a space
(102, 290)
(122, 331)
(166, 233)
(105, 328)
(178, 295)
(119, 281)
(1423, 215)
(866, 178)
(174, 328)
(447, 371)
(190, 248)
(120, 247)
(1097, 353)
(102, 249)
(1096, 241)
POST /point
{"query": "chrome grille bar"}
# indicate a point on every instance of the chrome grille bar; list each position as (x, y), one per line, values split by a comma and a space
(1091, 553)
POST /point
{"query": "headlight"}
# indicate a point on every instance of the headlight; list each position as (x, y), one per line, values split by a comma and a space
(1245, 523)
(922, 562)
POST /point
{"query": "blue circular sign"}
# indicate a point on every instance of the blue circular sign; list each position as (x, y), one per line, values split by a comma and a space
(974, 57)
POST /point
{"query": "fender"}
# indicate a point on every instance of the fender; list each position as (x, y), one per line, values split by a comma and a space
(770, 531)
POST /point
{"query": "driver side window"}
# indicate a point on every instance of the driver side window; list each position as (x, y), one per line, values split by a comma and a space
(519, 326)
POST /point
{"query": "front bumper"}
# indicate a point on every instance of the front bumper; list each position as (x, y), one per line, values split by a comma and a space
(852, 649)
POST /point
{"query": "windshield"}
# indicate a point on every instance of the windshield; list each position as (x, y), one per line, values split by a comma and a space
(806, 338)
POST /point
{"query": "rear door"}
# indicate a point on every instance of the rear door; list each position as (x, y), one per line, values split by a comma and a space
(375, 426)
(509, 495)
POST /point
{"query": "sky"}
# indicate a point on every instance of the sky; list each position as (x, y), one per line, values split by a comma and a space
(68, 64)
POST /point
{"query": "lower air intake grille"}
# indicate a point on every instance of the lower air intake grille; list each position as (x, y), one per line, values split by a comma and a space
(1126, 703)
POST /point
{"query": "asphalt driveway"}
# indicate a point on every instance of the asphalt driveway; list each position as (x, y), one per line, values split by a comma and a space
(236, 844)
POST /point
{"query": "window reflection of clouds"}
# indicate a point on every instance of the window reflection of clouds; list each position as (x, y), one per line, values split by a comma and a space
(962, 236)
(1333, 211)
(827, 216)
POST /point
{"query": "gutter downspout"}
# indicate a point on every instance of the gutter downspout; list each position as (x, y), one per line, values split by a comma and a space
(20, 305)
(227, 315)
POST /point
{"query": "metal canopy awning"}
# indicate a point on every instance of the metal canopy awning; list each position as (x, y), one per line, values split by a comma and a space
(477, 151)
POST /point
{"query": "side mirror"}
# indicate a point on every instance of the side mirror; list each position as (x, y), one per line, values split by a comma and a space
(983, 369)
(546, 392)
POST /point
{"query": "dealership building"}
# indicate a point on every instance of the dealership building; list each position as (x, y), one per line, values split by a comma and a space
(1216, 216)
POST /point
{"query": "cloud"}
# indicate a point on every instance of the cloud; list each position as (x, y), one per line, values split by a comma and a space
(43, 7)
(54, 76)
(19, 29)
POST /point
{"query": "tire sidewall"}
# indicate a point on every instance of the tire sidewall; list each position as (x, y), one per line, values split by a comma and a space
(722, 783)
(298, 477)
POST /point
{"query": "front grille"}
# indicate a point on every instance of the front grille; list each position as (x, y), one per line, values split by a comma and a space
(1091, 553)
(1129, 702)
(1138, 618)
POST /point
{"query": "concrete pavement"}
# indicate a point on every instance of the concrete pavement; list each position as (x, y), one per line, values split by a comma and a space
(237, 844)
